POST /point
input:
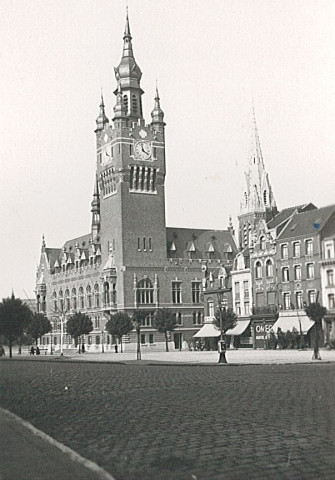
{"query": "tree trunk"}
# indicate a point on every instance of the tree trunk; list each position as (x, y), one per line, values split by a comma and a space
(166, 341)
(316, 354)
(10, 348)
(79, 346)
(138, 355)
(120, 339)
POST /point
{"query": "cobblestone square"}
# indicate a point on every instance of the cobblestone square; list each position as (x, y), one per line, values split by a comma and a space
(183, 422)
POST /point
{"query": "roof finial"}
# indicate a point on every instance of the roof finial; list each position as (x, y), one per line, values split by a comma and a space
(43, 242)
(127, 28)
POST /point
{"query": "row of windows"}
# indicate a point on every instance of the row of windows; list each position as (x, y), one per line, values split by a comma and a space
(285, 271)
(238, 308)
(143, 179)
(144, 244)
(299, 300)
(196, 317)
(268, 269)
(245, 286)
(83, 299)
(296, 249)
(145, 292)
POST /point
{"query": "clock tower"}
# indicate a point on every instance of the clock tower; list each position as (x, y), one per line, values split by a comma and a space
(131, 172)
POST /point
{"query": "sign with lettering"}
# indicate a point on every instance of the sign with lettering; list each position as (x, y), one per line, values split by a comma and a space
(261, 332)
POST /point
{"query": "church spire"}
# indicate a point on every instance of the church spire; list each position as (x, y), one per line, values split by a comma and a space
(102, 119)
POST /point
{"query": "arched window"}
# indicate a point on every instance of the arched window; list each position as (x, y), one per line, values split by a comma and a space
(125, 102)
(81, 297)
(89, 296)
(74, 299)
(106, 293)
(245, 199)
(258, 270)
(67, 299)
(96, 295)
(145, 291)
(54, 301)
(269, 268)
(61, 300)
(262, 243)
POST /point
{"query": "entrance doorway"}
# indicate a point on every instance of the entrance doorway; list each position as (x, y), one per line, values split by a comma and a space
(178, 339)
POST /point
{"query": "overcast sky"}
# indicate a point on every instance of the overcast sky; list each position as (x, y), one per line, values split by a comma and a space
(210, 58)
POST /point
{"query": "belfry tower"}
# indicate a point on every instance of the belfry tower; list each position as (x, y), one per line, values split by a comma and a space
(130, 172)
(258, 201)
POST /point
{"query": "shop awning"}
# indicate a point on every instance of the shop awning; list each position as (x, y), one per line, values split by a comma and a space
(287, 322)
(208, 330)
(239, 328)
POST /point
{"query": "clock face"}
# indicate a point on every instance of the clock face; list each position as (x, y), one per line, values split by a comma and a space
(143, 150)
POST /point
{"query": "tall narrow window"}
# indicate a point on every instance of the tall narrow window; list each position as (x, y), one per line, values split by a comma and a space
(331, 301)
(211, 311)
(296, 249)
(262, 243)
(258, 270)
(310, 271)
(89, 296)
(269, 268)
(330, 278)
(311, 296)
(196, 292)
(284, 251)
(67, 300)
(74, 299)
(297, 272)
(309, 247)
(96, 296)
(287, 300)
(176, 292)
(150, 244)
(145, 291)
(144, 244)
(237, 290)
(299, 302)
(81, 297)
(285, 274)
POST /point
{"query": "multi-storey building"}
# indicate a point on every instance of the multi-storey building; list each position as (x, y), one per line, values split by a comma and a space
(130, 259)
(327, 271)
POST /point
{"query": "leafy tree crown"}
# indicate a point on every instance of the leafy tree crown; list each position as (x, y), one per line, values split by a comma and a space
(229, 319)
(79, 324)
(165, 320)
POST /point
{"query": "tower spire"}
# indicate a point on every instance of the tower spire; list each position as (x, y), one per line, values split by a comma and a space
(95, 209)
(128, 74)
(157, 114)
(101, 119)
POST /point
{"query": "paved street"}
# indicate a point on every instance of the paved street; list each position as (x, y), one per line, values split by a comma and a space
(182, 422)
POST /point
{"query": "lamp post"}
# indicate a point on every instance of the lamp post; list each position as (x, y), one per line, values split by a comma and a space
(222, 341)
(51, 352)
(102, 342)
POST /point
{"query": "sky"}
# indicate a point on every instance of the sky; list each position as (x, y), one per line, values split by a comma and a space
(212, 61)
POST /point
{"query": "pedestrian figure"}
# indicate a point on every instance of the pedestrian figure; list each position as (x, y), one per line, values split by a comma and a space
(83, 348)
(37, 351)
(116, 348)
(32, 351)
(2, 351)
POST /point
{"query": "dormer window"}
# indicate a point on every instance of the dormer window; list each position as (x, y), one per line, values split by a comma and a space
(262, 243)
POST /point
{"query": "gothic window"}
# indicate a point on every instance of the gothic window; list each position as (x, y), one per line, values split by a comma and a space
(176, 292)
(96, 296)
(147, 321)
(145, 291)
(114, 293)
(81, 297)
(61, 300)
(67, 300)
(258, 270)
(262, 243)
(125, 102)
(74, 299)
(196, 290)
(106, 293)
(89, 296)
(297, 272)
(179, 318)
(269, 268)
(331, 301)
(54, 301)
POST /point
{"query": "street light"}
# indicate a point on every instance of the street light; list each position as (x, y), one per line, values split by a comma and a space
(102, 342)
(222, 342)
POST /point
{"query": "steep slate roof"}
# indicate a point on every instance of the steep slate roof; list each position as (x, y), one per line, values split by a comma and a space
(79, 240)
(307, 223)
(285, 214)
(52, 255)
(222, 241)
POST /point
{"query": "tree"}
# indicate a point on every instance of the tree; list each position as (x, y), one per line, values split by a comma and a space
(38, 326)
(316, 312)
(224, 319)
(138, 319)
(14, 318)
(77, 325)
(165, 321)
(119, 324)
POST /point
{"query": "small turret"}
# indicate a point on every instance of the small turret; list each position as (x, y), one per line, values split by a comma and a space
(120, 114)
(95, 209)
(102, 119)
(231, 226)
(157, 115)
